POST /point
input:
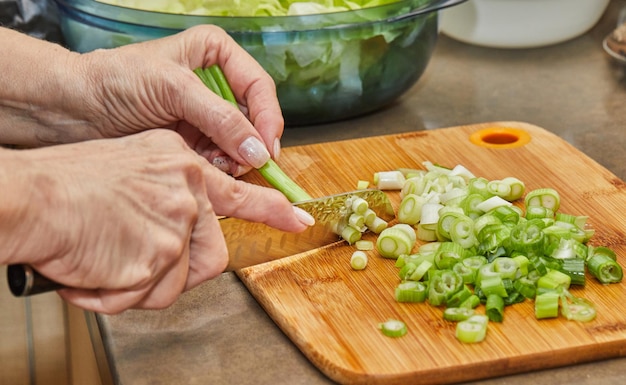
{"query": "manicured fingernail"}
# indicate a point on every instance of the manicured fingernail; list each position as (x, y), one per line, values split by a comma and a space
(254, 151)
(276, 148)
(304, 217)
(222, 163)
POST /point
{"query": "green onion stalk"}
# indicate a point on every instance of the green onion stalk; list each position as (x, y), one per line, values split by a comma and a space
(214, 79)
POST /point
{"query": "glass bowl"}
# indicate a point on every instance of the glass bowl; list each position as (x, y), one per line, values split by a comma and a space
(327, 67)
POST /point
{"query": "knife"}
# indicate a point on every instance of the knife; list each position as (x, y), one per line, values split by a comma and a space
(249, 243)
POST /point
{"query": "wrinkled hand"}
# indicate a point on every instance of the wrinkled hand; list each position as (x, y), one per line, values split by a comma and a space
(132, 221)
(152, 84)
(50, 95)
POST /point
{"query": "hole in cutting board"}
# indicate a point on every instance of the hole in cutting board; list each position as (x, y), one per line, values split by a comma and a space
(500, 137)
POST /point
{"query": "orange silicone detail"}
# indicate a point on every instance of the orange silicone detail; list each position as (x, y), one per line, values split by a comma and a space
(500, 137)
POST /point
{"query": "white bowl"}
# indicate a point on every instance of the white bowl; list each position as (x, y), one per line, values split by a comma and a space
(520, 23)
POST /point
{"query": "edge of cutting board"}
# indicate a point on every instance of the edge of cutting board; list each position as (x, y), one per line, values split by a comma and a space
(324, 308)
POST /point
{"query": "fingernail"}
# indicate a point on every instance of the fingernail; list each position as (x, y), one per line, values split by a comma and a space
(276, 148)
(241, 169)
(304, 217)
(254, 151)
(222, 163)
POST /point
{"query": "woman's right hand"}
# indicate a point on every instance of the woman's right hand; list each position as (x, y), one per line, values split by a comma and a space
(131, 222)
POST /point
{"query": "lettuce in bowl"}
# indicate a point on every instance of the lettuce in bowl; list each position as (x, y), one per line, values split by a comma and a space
(345, 59)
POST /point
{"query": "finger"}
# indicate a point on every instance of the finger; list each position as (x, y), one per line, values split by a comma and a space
(168, 286)
(260, 105)
(210, 151)
(255, 203)
(102, 300)
(208, 254)
(160, 292)
(254, 89)
(223, 124)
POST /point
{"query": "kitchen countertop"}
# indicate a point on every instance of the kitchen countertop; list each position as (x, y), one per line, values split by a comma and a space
(218, 334)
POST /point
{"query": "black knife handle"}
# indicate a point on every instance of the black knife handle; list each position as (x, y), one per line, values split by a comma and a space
(24, 281)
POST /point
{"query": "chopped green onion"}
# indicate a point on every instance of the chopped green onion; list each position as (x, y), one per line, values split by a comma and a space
(351, 234)
(443, 284)
(408, 230)
(462, 171)
(413, 185)
(448, 254)
(462, 232)
(393, 328)
(539, 212)
(421, 270)
(593, 250)
(411, 291)
(373, 222)
(469, 205)
(459, 297)
(526, 287)
(358, 205)
(487, 270)
(554, 280)
(506, 267)
(527, 237)
(407, 270)
(456, 314)
(479, 186)
(547, 305)
(604, 268)
(544, 197)
(394, 241)
(466, 272)
(475, 262)
(426, 234)
(358, 260)
(522, 264)
(447, 215)
(575, 269)
(492, 203)
(356, 220)
(473, 329)
(364, 245)
(430, 214)
(362, 184)
(496, 187)
(494, 308)
(453, 197)
(485, 220)
(389, 180)
(505, 252)
(472, 301)
(506, 214)
(516, 188)
(493, 285)
(576, 309)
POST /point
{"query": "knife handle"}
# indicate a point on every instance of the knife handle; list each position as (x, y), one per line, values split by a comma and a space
(25, 281)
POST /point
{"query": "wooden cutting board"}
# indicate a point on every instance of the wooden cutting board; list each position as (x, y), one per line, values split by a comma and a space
(331, 312)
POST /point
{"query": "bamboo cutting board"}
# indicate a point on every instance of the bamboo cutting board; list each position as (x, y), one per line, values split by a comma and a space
(331, 312)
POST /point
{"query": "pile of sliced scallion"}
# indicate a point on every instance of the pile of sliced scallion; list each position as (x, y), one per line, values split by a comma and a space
(482, 249)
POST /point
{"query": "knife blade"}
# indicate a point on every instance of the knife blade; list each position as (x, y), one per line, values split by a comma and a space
(249, 243)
